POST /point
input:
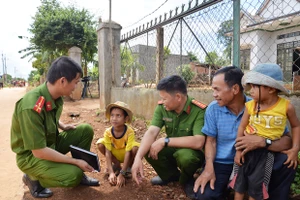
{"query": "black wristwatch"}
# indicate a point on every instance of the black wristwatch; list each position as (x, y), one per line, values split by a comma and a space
(268, 142)
(167, 140)
(123, 172)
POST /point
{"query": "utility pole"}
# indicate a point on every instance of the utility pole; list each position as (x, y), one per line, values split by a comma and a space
(111, 46)
(3, 64)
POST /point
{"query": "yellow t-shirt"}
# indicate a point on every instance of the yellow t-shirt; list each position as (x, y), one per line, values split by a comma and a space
(270, 123)
(119, 146)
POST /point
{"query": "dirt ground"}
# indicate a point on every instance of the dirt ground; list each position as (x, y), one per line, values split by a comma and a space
(90, 113)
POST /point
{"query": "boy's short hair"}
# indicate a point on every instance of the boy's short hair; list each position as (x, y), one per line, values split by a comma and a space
(63, 67)
(172, 84)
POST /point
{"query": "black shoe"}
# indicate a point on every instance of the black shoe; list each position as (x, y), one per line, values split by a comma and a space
(158, 181)
(35, 188)
(189, 190)
(89, 181)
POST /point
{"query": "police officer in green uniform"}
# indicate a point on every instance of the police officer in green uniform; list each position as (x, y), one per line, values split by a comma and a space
(40, 148)
(183, 118)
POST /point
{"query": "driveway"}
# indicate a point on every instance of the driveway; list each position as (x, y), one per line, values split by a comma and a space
(10, 181)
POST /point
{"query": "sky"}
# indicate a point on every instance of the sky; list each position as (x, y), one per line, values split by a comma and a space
(16, 17)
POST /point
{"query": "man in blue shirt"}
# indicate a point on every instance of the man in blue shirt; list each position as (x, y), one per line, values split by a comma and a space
(222, 119)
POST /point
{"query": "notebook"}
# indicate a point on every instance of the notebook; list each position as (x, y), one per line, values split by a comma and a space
(90, 157)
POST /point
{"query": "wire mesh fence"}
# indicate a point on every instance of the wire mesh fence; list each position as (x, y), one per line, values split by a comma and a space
(198, 39)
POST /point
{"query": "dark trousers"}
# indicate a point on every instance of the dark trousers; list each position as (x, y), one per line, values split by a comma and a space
(281, 179)
(170, 159)
(279, 187)
(222, 172)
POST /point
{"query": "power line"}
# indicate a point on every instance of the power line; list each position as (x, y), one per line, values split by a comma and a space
(148, 14)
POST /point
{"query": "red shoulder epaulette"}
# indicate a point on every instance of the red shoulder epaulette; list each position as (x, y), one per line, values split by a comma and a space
(160, 102)
(39, 104)
(199, 104)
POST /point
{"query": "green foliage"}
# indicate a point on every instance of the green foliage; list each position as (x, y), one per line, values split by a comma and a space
(225, 28)
(295, 187)
(34, 77)
(192, 56)
(55, 29)
(186, 72)
(167, 52)
(58, 28)
(128, 62)
(94, 73)
(213, 59)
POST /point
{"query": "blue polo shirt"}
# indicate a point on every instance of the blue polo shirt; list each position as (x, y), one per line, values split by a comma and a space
(222, 124)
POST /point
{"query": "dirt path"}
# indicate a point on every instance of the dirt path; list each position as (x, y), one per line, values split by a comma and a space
(10, 181)
(11, 186)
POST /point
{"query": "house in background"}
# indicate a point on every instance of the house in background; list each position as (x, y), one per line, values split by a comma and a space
(272, 34)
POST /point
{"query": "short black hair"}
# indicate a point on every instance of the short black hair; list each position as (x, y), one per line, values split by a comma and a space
(172, 84)
(63, 67)
(232, 75)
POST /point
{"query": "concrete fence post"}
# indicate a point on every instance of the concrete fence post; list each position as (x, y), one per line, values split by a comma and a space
(159, 53)
(109, 59)
(75, 54)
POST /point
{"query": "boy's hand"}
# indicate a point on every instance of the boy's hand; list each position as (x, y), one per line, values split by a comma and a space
(112, 179)
(120, 180)
(238, 157)
(292, 157)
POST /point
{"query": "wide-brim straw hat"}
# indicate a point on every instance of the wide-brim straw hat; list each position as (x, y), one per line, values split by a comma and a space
(267, 74)
(121, 105)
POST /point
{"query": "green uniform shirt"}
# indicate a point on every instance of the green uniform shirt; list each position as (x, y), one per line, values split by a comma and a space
(188, 123)
(31, 129)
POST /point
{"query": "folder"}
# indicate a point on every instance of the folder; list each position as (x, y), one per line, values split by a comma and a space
(90, 157)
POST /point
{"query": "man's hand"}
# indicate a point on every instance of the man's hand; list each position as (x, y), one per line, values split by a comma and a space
(156, 147)
(292, 158)
(69, 127)
(120, 180)
(66, 127)
(203, 179)
(84, 165)
(112, 179)
(248, 143)
(137, 171)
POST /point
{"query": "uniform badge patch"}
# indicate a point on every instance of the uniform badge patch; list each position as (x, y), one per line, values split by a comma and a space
(48, 106)
(167, 119)
(199, 104)
(39, 104)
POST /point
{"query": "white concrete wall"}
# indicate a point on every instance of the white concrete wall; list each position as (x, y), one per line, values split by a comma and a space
(143, 101)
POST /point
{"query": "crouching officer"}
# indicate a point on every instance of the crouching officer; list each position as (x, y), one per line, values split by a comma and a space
(35, 138)
(177, 156)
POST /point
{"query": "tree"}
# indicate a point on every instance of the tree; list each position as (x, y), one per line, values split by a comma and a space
(192, 56)
(56, 29)
(186, 72)
(213, 59)
(34, 77)
(226, 27)
(129, 64)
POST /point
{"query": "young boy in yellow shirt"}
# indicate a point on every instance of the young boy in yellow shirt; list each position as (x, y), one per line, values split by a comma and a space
(118, 143)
